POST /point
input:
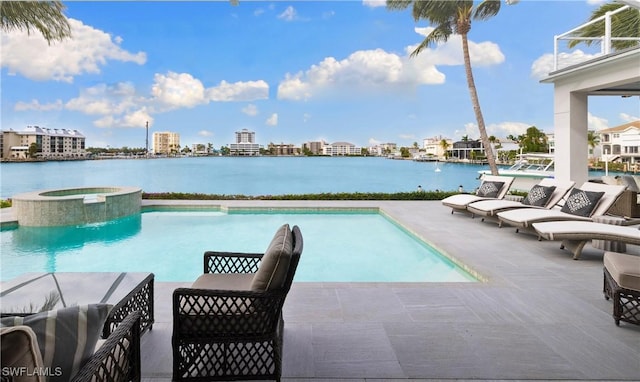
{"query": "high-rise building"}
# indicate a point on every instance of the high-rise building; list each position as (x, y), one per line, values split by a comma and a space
(166, 142)
(245, 144)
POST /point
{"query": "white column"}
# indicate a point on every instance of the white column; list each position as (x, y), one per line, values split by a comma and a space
(570, 128)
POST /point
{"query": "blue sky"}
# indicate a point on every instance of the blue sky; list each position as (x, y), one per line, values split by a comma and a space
(292, 71)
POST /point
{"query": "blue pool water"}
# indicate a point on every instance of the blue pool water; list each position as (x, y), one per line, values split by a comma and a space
(354, 247)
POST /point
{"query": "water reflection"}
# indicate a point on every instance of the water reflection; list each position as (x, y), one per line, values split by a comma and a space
(43, 239)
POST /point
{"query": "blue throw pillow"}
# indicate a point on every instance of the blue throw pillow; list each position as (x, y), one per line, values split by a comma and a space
(67, 337)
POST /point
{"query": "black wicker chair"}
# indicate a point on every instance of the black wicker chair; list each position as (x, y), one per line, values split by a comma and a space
(231, 334)
(118, 359)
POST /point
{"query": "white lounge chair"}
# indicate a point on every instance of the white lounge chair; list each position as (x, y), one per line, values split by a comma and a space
(525, 217)
(490, 208)
(575, 234)
(459, 202)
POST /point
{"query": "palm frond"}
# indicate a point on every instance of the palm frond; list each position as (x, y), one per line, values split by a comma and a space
(624, 24)
(45, 16)
(487, 9)
(394, 5)
(439, 34)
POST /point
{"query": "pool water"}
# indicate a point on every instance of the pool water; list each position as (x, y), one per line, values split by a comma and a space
(338, 247)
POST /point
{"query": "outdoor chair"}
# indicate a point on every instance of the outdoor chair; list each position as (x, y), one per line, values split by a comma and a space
(581, 204)
(75, 352)
(229, 325)
(546, 194)
(492, 187)
(622, 285)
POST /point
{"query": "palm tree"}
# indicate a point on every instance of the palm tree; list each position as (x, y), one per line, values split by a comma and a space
(623, 24)
(449, 17)
(593, 139)
(445, 146)
(44, 16)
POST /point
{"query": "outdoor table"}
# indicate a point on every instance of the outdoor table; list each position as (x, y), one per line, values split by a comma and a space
(126, 291)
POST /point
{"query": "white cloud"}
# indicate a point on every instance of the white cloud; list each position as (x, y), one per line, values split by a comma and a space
(306, 117)
(374, 3)
(272, 120)
(289, 14)
(629, 118)
(542, 66)
(239, 91)
(596, 123)
(37, 106)
(250, 109)
(86, 52)
(205, 133)
(374, 142)
(365, 70)
(178, 90)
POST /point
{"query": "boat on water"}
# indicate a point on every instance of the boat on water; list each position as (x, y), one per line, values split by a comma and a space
(528, 170)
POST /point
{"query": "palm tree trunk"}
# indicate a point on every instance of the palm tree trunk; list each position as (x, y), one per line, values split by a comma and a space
(484, 138)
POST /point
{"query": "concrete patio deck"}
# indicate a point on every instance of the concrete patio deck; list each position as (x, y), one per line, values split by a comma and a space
(538, 314)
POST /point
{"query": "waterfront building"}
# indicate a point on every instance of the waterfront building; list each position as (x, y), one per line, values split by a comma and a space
(341, 148)
(467, 149)
(433, 146)
(621, 143)
(314, 147)
(245, 144)
(165, 143)
(49, 143)
(283, 149)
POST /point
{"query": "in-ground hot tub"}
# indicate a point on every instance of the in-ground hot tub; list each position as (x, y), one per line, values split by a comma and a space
(74, 206)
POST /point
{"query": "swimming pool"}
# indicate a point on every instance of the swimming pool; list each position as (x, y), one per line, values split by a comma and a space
(360, 246)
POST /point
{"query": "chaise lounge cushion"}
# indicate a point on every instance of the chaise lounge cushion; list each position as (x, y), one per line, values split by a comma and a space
(20, 350)
(224, 281)
(539, 196)
(274, 265)
(625, 269)
(581, 202)
(66, 337)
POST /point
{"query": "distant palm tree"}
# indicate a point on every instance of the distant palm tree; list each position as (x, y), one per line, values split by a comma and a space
(593, 139)
(623, 24)
(44, 16)
(449, 17)
(445, 147)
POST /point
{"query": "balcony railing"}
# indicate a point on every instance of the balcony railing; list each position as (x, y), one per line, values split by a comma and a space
(573, 35)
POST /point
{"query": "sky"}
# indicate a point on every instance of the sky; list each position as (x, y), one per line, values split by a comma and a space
(291, 71)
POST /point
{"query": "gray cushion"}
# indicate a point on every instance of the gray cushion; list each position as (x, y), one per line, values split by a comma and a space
(275, 262)
(19, 349)
(581, 203)
(489, 189)
(66, 337)
(539, 196)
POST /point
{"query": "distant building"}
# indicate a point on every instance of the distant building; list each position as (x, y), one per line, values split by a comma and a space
(341, 148)
(621, 143)
(433, 146)
(245, 144)
(315, 147)
(283, 149)
(50, 143)
(166, 142)
(462, 150)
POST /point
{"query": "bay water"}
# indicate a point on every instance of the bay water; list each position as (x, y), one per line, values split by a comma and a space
(241, 175)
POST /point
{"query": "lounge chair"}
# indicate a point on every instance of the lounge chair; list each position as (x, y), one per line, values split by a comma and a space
(492, 187)
(622, 284)
(546, 194)
(575, 234)
(229, 325)
(580, 204)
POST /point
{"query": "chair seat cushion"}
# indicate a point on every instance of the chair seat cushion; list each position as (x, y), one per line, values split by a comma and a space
(224, 281)
(274, 265)
(625, 269)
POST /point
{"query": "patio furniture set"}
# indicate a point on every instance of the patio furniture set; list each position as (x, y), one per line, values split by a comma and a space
(557, 210)
(228, 325)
